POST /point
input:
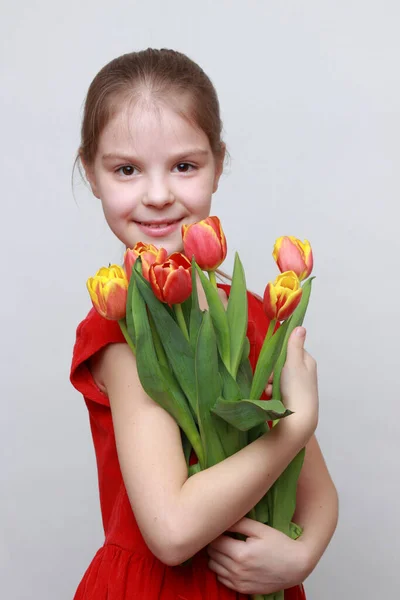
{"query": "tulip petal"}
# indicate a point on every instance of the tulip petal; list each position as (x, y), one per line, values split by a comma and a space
(178, 286)
(270, 301)
(205, 241)
(291, 303)
(290, 258)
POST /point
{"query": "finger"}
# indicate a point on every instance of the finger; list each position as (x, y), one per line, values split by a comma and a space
(295, 346)
(271, 378)
(248, 527)
(243, 587)
(220, 570)
(222, 559)
(227, 545)
(227, 582)
(268, 390)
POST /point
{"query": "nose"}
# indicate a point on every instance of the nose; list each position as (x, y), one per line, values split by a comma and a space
(158, 193)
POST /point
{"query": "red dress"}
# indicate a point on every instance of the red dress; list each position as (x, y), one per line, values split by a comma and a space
(124, 568)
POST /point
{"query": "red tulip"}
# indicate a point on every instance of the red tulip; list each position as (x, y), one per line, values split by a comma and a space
(291, 254)
(205, 241)
(171, 281)
(149, 255)
(282, 296)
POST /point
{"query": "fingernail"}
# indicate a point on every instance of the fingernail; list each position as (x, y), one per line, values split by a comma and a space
(300, 331)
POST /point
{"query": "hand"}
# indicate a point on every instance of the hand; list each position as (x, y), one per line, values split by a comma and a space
(268, 389)
(268, 561)
(299, 384)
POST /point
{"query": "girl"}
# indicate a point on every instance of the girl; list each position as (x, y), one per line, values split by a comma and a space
(152, 152)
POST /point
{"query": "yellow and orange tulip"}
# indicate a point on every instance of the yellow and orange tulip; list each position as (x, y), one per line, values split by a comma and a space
(290, 254)
(149, 255)
(282, 296)
(205, 241)
(108, 291)
(171, 281)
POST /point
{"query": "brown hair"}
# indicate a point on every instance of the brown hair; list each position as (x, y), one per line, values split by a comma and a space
(164, 75)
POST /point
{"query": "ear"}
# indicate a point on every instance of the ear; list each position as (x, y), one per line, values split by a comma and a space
(219, 167)
(89, 172)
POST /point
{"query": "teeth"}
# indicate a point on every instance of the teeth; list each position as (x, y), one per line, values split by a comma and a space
(156, 225)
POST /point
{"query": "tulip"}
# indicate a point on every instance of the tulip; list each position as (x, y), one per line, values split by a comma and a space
(149, 255)
(282, 296)
(205, 241)
(171, 281)
(108, 291)
(291, 254)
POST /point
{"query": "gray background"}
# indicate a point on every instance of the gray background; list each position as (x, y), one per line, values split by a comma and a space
(310, 101)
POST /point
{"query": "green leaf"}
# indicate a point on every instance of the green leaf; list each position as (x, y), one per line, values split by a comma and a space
(196, 314)
(193, 469)
(186, 446)
(219, 318)
(157, 381)
(245, 414)
(295, 321)
(262, 510)
(255, 432)
(246, 349)
(244, 378)
(177, 348)
(232, 438)
(282, 495)
(269, 354)
(209, 387)
(129, 315)
(237, 314)
(295, 531)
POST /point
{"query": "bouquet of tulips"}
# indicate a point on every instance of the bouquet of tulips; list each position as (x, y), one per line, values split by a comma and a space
(195, 363)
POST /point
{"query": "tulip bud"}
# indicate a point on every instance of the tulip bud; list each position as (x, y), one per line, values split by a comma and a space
(205, 241)
(282, 296)
(290, 254)
(171, 281)
(108, 291)
(149, 255)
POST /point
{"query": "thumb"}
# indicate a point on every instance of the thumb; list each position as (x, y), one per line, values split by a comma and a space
(296, 342)
(247, 527)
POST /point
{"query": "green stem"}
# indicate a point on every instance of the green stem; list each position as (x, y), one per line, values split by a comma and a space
(181, 320)
(213, 278)
(122, 324)
(271, 329)
(162, 357)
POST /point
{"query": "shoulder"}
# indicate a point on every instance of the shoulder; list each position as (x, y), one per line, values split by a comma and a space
(93, 334)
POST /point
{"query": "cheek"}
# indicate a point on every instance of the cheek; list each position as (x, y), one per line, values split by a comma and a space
(198, 196)
(117, 200)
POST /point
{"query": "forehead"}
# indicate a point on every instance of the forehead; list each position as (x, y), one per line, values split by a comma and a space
(150, 127)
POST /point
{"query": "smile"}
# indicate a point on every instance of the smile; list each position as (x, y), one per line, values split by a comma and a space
(158, 228)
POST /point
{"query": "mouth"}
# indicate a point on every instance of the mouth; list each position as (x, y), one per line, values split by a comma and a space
(158, 228)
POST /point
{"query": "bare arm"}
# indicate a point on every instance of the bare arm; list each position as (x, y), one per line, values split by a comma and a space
(179, 516)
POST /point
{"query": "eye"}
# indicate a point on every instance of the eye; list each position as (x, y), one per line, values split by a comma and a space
(184, 167)
(126, 170)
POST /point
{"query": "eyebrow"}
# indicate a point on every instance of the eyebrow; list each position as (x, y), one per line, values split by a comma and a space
(131, 159)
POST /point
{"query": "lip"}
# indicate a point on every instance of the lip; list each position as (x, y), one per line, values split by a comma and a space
(157, 232)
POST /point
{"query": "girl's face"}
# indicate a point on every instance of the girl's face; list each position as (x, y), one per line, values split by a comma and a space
(153, 172)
